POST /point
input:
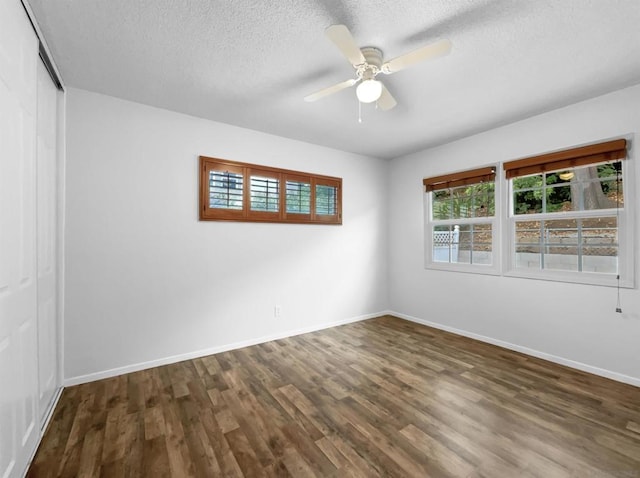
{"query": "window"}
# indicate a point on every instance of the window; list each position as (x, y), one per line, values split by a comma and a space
(265, 194)
(327, 199)
(232, 191)
(225, 190)
(298, 196)
(568, 219)
(461, 221)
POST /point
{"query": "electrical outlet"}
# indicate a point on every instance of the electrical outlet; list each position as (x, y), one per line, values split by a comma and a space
(277, 310)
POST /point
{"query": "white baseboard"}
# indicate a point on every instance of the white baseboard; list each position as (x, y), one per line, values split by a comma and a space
(525, 350)
(91, 377)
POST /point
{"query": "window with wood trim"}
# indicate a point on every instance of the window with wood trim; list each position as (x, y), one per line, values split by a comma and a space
(568, 218)
(233, 191)
(461, 226)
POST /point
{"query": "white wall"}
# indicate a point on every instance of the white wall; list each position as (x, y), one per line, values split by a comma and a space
(566, 322)
(145, 280)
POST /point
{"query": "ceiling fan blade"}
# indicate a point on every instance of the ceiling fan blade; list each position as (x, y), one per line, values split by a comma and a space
(330, 90)
(434, 50)
(342, 38)
(386, 101)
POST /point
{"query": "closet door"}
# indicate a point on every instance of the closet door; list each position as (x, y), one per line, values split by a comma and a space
(19, 429)
(46, 240)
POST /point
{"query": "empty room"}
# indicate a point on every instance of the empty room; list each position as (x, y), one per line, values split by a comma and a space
(329, 238)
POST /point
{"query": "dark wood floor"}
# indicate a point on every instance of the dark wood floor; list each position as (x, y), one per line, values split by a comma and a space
(384, 397)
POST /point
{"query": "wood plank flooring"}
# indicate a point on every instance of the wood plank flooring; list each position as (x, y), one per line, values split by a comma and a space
(383, 397)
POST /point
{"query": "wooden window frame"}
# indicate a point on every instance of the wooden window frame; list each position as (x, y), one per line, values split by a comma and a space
(222, 214)
(245, 214)
(324, 181)
(256, 215)
(296, 216)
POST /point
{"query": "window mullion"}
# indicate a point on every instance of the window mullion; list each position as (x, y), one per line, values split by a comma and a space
(579, 226)
(543, 245)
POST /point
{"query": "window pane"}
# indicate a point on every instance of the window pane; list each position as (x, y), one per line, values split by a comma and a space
(483, 200)
(561, 231)
(600, 250)
(561, 240)
(559, 198)
(528, 257)
(529, 191)
(528, 240)
(600, 259)
(441, 204)
(464, 245)
(225, 190)
(608, 170)
(561, 258)
(475, 244)
(554, 178)
(527, 202)
(481, 252)
(326, 199)
(599, 195)
(265, 194)
(461, 202)
(298, 197)
(614, 192)
(604, 228)
(445, 244)
(527, 182)
(528, 232)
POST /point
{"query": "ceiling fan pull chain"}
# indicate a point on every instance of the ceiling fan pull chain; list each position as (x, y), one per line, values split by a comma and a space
(359, 112)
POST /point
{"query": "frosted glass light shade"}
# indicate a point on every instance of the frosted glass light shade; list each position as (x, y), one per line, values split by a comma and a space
(369, 91)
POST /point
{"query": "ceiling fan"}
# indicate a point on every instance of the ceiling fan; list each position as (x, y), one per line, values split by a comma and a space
(368, 63)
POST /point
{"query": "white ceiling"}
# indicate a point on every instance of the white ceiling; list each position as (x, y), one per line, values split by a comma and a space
(250, 63)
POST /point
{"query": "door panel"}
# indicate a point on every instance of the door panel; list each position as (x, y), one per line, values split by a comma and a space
(46, 240)
(8, 443)
(27, 403)
(18, 287)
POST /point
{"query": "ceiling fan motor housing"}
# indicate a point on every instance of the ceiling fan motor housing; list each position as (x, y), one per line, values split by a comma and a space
(372, 65)
(373, 56)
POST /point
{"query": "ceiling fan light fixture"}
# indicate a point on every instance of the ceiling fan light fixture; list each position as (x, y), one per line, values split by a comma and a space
(369, 91)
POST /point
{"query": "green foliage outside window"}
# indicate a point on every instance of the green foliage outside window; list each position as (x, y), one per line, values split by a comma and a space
(476, 200)
(585, 188)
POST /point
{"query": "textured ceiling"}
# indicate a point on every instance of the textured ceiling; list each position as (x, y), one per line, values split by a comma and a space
(250, 63)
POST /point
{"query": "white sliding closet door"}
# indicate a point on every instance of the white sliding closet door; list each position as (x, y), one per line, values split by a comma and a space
(19, 430)
(47, 169)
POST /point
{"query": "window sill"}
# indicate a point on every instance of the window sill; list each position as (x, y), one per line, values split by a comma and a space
(606, 280)
(467, 268)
